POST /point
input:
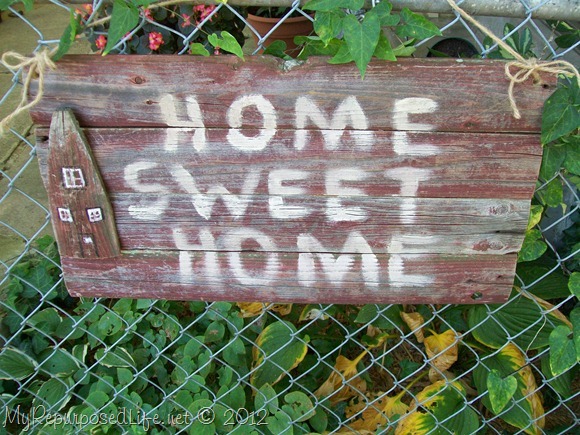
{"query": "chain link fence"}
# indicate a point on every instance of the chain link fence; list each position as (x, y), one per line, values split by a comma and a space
(143, 366)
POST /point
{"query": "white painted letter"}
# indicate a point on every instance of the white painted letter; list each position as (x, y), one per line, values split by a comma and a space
(207, 248)
(276, 179)
(403, 108)
(204, 202)
(335, 212)
(169, 111)
(235, 120)
(397, 275)
(233, 241)
(348, 112)
(336, 268)
(146, 210)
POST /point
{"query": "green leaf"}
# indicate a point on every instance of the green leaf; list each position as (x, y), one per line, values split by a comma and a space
(551, 194)
(572, 160)
(416, 26)
(552, 160)
(119, 357)
(524, 409)
(535, 216)
(124, 18)
(328, 25)
(384, 51)
(560, 115)
(280, 423)
(46, 320)
(299, 406)
(52, 396)
(520, 319)
(342, 55)
(562, 350)
(361, 39)
(501, 390)
(226, 42)
(330, 5)
(575, 320)
(124, 375)
(277, 49)
(406, 49)
(58, 362)
(574, 284)
(5, 4)
(533, 246)
(266, 398)
(550, 286)
(15, 365)
(278, 350)
(68, 36)
(214, 332)
(562, 384)
(384, 317)
(198, 49)
(383, 11)
(109, 323)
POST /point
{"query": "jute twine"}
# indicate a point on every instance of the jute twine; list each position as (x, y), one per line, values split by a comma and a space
(525, 68)
(37, 66)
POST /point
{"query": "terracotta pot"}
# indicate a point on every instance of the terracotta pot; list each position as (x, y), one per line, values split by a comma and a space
(286, 31)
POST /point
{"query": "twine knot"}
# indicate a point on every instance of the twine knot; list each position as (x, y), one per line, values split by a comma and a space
(37, 66)
(525, 68)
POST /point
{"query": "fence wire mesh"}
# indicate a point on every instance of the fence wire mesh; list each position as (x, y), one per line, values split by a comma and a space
(143, 366)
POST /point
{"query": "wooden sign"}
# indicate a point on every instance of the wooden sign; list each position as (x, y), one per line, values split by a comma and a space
(218, 179)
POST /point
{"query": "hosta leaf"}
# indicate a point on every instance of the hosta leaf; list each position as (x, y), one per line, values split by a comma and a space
(119, 357)
(227, 42)
(501, 390)
(415, 323)
(15, 364)
(442, 349)
(439, 404)
(124, 18)
(377, 415)
(52, 395)
(361, 38)
(524, 410)
(344, 382)
(277, 351)
(58, 362)
(519, 319)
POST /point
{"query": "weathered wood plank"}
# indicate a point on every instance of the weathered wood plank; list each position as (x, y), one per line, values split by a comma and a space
(448, 165)
(83, 217)
(411, 94)
(281, 277)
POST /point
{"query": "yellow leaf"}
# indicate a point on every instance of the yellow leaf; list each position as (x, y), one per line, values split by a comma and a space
(253, 309)
(527, 385)
(344, 382)
(415, 323)
(417, 423)
(376, 414)
(442, 349)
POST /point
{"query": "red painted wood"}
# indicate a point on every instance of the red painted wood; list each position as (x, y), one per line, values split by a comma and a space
(464, 166)
(456, 279)
(126, 91)
(83, 219)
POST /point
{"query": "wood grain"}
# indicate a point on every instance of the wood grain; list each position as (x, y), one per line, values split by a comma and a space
(456, 279)
(125, 91)
(83, 219)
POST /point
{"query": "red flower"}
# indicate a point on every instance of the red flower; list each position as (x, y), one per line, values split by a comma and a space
(155, 40)
(186, 20)
(101, 42)
(203, 12)
(148, 15)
